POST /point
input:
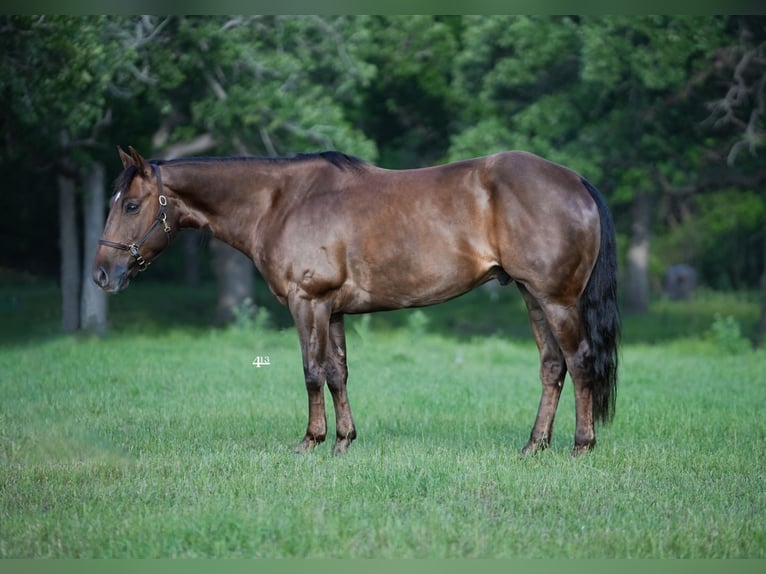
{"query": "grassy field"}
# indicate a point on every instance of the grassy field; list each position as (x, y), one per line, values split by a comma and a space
(163, 440)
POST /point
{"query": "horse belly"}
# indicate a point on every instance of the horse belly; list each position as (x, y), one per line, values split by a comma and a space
(433, 269)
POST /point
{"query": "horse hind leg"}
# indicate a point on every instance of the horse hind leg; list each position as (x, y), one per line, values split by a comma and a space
(567, 326)
(553, 370)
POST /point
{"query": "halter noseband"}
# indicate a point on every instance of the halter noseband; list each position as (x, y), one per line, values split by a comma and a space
(161, 219)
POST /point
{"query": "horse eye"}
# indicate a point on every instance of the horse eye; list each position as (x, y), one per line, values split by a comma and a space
(131, 207)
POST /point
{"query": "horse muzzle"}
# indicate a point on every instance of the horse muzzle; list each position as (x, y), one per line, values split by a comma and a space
(111, 280)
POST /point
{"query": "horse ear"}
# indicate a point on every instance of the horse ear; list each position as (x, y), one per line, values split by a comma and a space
(139, 161)
(127, 161)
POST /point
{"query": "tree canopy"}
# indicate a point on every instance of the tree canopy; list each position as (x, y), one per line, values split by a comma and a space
(665, 114)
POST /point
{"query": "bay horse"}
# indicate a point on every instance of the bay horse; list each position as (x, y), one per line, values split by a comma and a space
(333, 235)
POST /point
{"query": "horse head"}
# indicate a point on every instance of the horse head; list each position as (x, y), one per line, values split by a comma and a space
(140, 225)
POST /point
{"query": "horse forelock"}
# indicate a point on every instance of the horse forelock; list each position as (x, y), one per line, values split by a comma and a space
(123, 181)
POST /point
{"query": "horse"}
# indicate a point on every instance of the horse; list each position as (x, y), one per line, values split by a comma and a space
(333, 235)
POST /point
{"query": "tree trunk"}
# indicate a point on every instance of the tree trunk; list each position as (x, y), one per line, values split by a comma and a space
(235, 278)
(762, 326)
(70, 260)
(637, 287)
(93, 309)
(190, 241)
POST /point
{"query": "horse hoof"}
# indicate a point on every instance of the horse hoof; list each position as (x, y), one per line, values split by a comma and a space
(306, 445)
(534, 446)
(341, 446)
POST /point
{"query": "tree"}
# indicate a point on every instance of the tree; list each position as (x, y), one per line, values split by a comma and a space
(740, 114)
(261, 85)
(93, 302)
(56, 77)
(407, 106)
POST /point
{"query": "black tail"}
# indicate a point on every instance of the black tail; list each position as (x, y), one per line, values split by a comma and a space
(602, 315)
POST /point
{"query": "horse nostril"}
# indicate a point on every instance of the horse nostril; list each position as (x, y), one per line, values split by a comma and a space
(100, 277)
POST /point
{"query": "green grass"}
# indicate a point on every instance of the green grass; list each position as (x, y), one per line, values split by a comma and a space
(165, 441)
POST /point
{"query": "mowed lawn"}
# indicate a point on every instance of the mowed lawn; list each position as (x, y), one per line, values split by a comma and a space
(171, 443)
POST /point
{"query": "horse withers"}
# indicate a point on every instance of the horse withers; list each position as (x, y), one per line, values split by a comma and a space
(333, 235)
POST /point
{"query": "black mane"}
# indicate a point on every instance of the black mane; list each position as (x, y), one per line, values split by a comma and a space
(338, 159)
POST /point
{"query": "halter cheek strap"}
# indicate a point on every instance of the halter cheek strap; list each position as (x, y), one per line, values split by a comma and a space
(160, 219)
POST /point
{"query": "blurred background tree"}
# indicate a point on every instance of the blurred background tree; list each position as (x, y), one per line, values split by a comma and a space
(664, 114)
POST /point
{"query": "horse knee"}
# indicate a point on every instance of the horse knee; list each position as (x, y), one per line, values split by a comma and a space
(582, 361)
(337, 374)
(553, 371)
(314, 376)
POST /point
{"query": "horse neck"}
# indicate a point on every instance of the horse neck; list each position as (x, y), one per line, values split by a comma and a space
(226, 198)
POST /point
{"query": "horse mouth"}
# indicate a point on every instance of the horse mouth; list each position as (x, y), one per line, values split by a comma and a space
(121, 286)
(115, 288)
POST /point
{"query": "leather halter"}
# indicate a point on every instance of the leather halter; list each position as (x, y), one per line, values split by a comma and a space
(160, 219)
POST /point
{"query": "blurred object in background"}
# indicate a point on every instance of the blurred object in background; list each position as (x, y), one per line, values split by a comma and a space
(679, 282)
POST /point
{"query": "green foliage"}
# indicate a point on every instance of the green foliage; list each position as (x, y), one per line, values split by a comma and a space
(417, 323)
(244, 315)
(487, 134)
(584, 95)
(726, 335)
(57, 74)
(655, 52)
(504, 65)
(408, 104)
(249, 319)
(726, 225)
(689, 321)
(266, 84)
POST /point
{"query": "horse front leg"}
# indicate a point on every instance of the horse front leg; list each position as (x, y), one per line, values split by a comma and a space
(312, 322)
(337, 376)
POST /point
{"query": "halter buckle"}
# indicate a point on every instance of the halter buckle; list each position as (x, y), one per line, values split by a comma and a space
(142, 264)
(164, 221)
